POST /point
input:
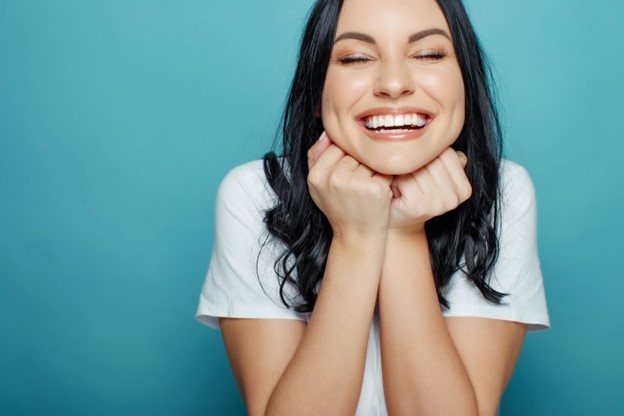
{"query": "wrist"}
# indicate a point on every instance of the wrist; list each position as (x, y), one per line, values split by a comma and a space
(362, 248)
(360, 238)
(405, 248)
(415, 231)
(407, 237)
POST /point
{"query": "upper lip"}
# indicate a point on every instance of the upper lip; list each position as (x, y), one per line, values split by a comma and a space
(393, 111)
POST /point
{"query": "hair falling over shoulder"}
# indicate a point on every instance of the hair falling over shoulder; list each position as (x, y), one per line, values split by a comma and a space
(462, 239)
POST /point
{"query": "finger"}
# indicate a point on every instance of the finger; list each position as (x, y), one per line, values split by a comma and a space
(448, 191)
(321, 144)
(452, 161)
(320, 170)
(365, 173)
(424, 180)
(318, 148)
(408, 186)
(463, 159)
(330, 156)
(348, 164)
(383, 177)
(440, 175)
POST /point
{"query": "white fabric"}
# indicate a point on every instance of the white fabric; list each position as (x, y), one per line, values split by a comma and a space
(232, 287)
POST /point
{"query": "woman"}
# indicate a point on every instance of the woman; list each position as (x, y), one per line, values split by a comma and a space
(389, 267)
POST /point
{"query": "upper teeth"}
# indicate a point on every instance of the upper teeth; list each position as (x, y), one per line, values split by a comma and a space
(399, 120)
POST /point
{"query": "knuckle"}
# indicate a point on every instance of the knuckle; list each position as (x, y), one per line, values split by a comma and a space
(421, 210)
(466, 192)
(448, 153)
(380, 190)
(453, 201)
(314, 177)
(437, 207)
(335, 181)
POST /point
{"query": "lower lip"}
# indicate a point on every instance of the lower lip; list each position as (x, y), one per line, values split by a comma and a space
(395, 137)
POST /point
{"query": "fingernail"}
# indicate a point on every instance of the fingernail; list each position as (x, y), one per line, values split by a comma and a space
(322, 136)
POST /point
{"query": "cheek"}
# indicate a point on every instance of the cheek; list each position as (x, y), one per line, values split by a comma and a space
(341, 92)
(328, 112)
(329, 104)
(459, 111)
(447, 88)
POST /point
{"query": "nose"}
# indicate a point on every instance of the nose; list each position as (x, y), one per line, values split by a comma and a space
(394, 80)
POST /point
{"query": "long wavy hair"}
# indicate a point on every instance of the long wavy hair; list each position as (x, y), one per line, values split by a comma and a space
(462, 239)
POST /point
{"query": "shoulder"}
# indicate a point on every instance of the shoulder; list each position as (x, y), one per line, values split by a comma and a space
(249, 175)
(514, 177)
(241, 281)
(516, 188)
(246, 186)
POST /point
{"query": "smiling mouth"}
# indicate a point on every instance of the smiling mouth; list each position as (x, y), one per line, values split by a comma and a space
(396, 123)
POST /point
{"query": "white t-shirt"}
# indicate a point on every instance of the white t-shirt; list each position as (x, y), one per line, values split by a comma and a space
(232, 287)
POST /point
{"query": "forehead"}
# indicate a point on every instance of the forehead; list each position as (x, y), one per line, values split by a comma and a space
(386, 16)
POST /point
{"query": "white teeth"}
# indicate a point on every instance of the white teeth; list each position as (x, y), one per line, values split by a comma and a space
(374, 122)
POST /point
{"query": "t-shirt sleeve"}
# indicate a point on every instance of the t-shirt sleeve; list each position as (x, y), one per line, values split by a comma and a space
(517, 270)
(241, 281)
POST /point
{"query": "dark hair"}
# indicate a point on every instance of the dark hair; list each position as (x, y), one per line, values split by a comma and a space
(464, 238)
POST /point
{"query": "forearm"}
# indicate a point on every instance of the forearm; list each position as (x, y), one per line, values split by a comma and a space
(422, 371)
(325, 374)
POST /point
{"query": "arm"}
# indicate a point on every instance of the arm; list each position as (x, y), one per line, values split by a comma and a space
(437, 365)
(432, 365)
(286, 368)
(325, 374)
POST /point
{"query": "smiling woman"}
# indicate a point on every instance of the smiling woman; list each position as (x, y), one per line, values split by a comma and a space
(386, 262)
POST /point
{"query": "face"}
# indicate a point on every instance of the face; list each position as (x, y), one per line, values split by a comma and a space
(393, 97)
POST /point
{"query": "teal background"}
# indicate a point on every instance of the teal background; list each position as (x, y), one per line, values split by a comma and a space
(119, 118)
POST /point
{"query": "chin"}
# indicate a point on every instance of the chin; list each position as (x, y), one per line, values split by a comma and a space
(395, 167)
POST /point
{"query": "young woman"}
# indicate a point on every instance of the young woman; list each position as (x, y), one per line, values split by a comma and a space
(389, 267)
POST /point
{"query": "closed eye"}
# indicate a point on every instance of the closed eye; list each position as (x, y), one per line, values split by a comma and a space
(431, 56)
(353, 59)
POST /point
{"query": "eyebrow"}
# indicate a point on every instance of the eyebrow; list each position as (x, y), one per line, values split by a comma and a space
(412, 38)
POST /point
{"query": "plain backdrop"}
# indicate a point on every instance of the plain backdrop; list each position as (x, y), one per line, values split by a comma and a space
(119, 118)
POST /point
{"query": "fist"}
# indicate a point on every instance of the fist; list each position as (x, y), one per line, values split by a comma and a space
(355, 199)
(436, 188)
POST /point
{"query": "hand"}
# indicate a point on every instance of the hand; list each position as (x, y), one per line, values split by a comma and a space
(354, 198)
(436, 188)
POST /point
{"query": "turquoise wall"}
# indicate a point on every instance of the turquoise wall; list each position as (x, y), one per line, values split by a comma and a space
(117, 121)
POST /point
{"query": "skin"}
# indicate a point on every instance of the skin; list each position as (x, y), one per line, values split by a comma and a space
(393, 73)
(377, 196)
